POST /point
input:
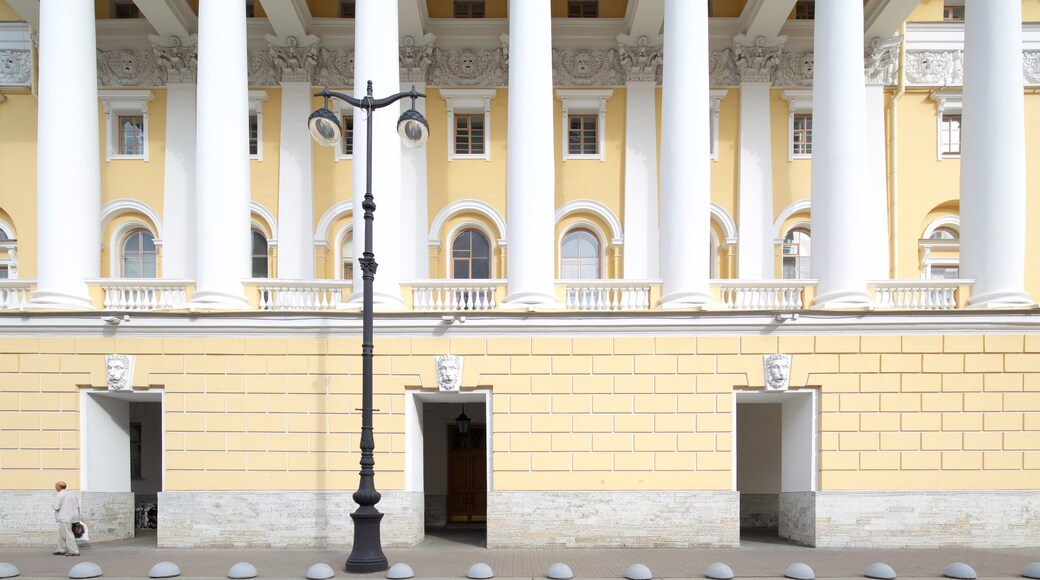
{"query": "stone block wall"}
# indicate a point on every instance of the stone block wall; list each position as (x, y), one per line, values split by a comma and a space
(759, 510)
(28, 519)
(656, 519)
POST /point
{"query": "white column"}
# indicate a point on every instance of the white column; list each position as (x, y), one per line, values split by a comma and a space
(530, 173)
(874, 218)
(685, 165)
(222, 158)
(376, 59)
(295, 186)
(993, 174)
(178, 252)
(839, 246)
(755, 259)
(415, 262)
(68, 178)
(642, 237)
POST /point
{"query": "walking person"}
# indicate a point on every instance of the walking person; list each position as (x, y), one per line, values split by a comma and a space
(66, 511)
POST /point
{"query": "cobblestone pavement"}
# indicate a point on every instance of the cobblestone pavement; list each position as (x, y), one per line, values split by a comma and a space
(449, 555)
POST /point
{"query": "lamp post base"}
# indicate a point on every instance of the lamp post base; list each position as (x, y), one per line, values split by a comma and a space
(367, 554)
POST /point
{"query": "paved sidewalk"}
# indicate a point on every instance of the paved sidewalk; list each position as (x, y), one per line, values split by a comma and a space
(451, 555)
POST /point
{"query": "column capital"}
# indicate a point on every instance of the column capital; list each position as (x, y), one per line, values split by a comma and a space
(757, 58)
(178, 60)
(881, 61)
(416, 58)
(640, 58)
(293, 59)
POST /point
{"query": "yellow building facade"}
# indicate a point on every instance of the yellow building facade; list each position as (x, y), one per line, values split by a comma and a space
(694, 272)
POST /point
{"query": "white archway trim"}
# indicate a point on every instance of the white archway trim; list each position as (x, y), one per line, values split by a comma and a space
(598, 209)
(467, 206)
(118, 207)
(338, 210)
(268, 221)
(952, 222)
(796, 207)
(729, 227)
(7, 229)
(470, 225)
(115, 244)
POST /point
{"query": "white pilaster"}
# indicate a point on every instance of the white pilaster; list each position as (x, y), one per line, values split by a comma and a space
(222, 158)
(839, 246)
(642, 237)
(68, 196)
(755, 206)
(178, 253)
(376, 59)
(993, 170)
(295, 186)
(530, 173)
(415, 262)
(685, 165)
(874, 218)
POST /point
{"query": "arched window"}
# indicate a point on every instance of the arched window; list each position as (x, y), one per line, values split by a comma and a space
(139, 254)
(944, 234)
(259, 255)
(579, 258)
(471, 256)
(346, 257)
(5, 261)
(941, 254)
(797, 254)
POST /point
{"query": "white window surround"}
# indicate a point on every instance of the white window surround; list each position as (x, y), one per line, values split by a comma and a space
(596, 232)
(9, 251)
(342, 109)
(798, 102)
(715, 99)
(347, 230)
(115, 257)
(454, 233)
(585, 102)
(256, 107)
(946, 103)
(928, 245)
(123, 102)
(469, 101)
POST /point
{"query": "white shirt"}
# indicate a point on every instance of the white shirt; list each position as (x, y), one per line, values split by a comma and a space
(66, 506)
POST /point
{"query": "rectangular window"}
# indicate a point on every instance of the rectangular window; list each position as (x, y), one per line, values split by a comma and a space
(953, 13)
(469, 9)
(801, 135)
(136, 454)
(944, 272)
(127, 10)
(951, 135)
(581, 135)
(348, 134)
(346, 9)
(254, 135)
(805, 10)
(5, 272)
(469, 134)
(131, 135)
(582, 9)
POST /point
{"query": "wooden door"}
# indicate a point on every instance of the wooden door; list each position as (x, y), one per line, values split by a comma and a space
(467, 474)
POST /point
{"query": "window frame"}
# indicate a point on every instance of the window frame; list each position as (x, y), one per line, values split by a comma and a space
(953, 4)
(584, 102)
(947, 104)
(469, 102)
(123, 238)
(799, 102)
(8, 252)
(596, 235)
(804, 228)
(804, 10)
(469, 4)
(118, 103)
(343, 110)
(715, 101)
(254, 230)
(928, 245)
(582, 6)
(450, 253)
(256, 107)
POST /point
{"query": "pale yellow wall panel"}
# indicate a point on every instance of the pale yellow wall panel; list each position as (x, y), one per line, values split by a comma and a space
(8, 363)
(927, 11)
(587, 384)
(224, 461)
(860, 363)
(550, 462)
(627, 384)
(263, 174)
(614, 364)
(634, 462)
(679, 383)
(589, 423)
(137, 179)
(1001, 382)
(629, 345)
(634, 423)
(878, 383)
(791, 178)
(8, 14)
(725, 171)
(655, 364)
(964, 382)
(1031, 13)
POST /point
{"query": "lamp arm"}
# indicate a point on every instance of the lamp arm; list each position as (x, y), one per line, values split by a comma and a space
(368, 102)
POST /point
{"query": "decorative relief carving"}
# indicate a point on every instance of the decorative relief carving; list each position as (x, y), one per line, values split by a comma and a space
(416, 59)
(935, 67)
(293, 61)
(469, 68)
(641, 59)
(777, 370)
(756, 60)
(128, 68)
(15, 68)
(177, 63)
(586, 68)
(722, 70)
(261, 69)
(1031, 66)
(796, 69)
(335, 69)
(120, 371)
(881, 63)
(449, 372)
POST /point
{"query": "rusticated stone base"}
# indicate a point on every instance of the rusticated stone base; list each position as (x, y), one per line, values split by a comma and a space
(280, 519)
(759, 510)
(650, 519)
(29, 519)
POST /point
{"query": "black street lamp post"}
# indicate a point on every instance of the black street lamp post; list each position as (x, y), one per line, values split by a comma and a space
(366, 555)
